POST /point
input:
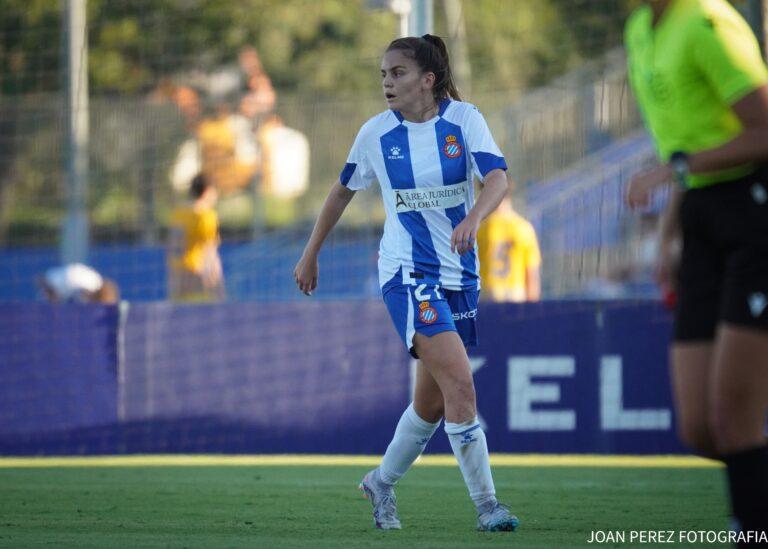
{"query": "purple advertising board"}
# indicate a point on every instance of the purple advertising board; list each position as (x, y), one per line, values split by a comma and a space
(323, 377)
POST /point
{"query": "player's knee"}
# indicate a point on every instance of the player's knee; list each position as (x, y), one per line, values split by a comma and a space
(725, 437)
(432, 411)
(731, 432)
(435, 414)
(696, 436)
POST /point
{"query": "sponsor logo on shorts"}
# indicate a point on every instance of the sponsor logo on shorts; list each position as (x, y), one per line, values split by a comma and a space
(452, 148)
(757, 303)
(464, 315)
(759, 194)
(427, 314)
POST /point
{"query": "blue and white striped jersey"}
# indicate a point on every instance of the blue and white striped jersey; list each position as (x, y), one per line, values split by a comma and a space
(425, 174)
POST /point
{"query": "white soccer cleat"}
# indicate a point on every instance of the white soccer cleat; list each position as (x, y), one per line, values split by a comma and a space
(498, 519)
(384, 503)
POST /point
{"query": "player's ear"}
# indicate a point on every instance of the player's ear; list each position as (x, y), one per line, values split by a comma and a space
(428, 80)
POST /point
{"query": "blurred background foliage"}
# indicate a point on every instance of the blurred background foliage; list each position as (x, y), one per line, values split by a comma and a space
(317, 47)
(321, 55)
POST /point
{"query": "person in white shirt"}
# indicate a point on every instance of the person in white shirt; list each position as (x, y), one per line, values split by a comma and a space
(424, 151)
(76, 282)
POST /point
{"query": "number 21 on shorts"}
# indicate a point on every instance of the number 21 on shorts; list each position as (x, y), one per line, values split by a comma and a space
(420, 294)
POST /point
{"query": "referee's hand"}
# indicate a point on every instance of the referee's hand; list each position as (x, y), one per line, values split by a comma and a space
(642, 185)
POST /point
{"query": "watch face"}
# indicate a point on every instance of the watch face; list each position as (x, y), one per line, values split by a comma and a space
(679, 162)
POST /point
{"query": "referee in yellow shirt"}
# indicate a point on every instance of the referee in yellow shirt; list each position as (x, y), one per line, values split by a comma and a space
(702, 87)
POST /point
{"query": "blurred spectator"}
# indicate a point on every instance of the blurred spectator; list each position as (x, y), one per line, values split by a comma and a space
(284, 170)
(260, 96)
(229, 158)
(260, 99)
(510, 259)
(223, 148)
(188, 101)
(76, 282)
(246, 84)
(240, 141)
(195, 272)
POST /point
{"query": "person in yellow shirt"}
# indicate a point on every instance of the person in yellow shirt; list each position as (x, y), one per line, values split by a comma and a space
(227, 149)
(195, 272)
(510, 259)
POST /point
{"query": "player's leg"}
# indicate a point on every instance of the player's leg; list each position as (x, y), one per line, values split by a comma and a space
(445, 358)
(418, 423)
(700, 283)
(738, 415)
(416, 426)
(739, 398)
(428, 400)
(691, 369)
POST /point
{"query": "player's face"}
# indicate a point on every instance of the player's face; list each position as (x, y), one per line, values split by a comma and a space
(406, 87)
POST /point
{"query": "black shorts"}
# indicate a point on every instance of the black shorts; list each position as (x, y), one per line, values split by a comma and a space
(723, 273)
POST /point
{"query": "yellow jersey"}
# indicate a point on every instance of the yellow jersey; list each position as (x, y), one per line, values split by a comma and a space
(508, 248)
(193, 232)
(687, 71)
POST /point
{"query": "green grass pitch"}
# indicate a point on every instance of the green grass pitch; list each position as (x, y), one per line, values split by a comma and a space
(275, 506)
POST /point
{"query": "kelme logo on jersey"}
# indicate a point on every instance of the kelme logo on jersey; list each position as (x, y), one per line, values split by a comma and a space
(452, 148)
(427, 314)
(395, 153)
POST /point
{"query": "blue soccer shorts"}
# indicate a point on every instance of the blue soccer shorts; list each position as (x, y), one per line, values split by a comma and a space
(429, 310)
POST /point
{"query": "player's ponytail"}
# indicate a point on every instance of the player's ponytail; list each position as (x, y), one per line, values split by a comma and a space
(431, 54)
(444, 85)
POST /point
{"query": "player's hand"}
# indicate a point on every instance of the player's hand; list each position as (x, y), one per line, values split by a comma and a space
(305, 274)
(643, 184)
(465, 234)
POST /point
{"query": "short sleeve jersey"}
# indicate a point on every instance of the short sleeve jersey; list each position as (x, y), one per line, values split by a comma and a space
(197, 231)
(508, 248)
(687, 71)
(425, 172)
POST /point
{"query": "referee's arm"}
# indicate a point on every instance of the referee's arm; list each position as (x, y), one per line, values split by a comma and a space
(750, 146)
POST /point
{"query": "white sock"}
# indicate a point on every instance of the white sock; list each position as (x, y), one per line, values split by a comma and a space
(411, 436)
(471, 451)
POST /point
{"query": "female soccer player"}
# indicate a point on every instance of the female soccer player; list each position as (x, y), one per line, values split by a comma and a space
(697, 73)
(423, 151)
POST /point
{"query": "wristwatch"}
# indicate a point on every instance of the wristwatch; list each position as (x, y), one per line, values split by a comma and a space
(678, 161)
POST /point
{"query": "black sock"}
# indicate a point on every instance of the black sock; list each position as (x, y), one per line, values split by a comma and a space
(748, 482)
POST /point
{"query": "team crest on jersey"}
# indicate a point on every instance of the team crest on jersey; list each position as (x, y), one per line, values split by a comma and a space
(427, 314)
(395, 153)
(452, 148)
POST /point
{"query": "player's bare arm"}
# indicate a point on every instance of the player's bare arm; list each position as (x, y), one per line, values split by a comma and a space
(307, 269)
(493, 192)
